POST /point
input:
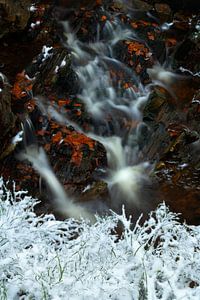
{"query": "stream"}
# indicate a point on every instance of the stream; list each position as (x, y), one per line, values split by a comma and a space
(108, 116)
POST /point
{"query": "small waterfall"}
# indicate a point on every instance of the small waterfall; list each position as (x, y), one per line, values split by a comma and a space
(110, 106)
(64, 203)
(105, 101)
(124, 177)
(165, 78)
(37, 157)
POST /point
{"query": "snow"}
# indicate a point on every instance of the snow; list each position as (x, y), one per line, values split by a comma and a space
(198, 26)
(62, 64)
(46, 51)
(17, 138)
(56, 69)
(42, 258)
(36, 24)
(32, 8)
(88, 187)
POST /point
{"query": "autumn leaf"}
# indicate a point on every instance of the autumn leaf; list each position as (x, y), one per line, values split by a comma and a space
(56, 138)
(103, 18)
(137, 48)
(77, 140)
(63, 102)
(77, 157)
(22, 86)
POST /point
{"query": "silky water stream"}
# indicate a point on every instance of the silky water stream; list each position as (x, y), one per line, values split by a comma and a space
(110, 108)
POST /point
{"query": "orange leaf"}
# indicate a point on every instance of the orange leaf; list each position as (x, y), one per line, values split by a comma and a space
(103, 18)
(78, 113)
(57, 137)
(134, 25)
(77, 157)
(137, 48)
(98, 2)
(63, 102)
(47, 147)
(22, 86)
(54, 125)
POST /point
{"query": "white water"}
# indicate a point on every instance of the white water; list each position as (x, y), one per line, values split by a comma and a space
(165, 78)
(104, 100)
(65, 204)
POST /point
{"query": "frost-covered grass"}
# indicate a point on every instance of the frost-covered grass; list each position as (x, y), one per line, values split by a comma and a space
(41, 258)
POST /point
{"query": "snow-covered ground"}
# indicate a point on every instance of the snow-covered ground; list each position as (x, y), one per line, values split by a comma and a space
(41, 258)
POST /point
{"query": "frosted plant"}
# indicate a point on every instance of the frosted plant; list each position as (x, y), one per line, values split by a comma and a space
(42, 258)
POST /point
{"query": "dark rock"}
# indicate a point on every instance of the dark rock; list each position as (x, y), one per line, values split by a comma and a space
(74, 157)
(14, 15)
(7, 118)
(190, 5)
(141, 5)
(25, 41)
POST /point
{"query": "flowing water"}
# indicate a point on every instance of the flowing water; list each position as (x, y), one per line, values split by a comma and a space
(107, 104)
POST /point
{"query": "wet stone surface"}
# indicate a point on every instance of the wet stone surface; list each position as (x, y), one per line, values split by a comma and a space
(42, 76)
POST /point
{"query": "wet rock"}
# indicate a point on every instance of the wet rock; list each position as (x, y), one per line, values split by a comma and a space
(98, 190)
(190, 5)
(74, 157)
(171, 136)
(14, 15)
(142, 5)
(70, 4)
(45, 84)
(183, 200)
(26, 42)
(189, 48)
(52, 73)
(7, 118)
(164, 12)
(171, 141)
(193, 113)
(163, 8)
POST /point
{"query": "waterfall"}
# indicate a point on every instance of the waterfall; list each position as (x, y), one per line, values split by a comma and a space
(107, 103)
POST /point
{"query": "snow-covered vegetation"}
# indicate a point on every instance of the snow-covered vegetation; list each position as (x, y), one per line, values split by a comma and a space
(41, 258)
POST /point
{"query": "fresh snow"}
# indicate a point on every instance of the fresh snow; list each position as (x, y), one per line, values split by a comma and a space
(32, 8)
(46, 52)
(42, 258)
(17, 138)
